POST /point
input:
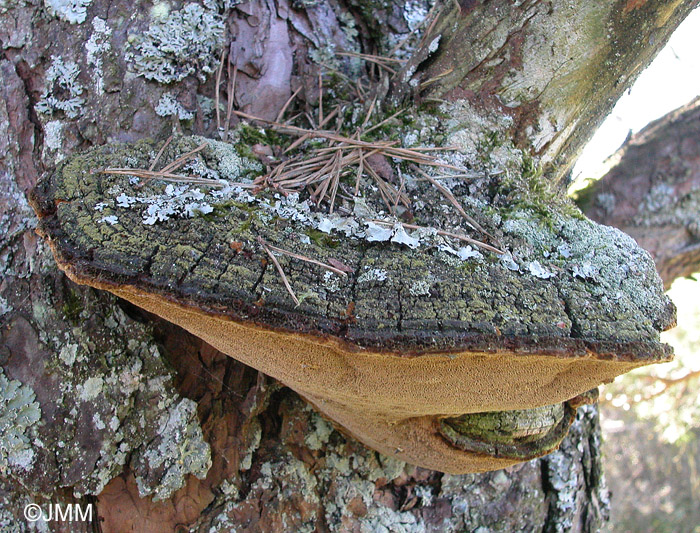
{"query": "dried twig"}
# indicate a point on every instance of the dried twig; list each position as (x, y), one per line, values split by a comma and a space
(160, 152)
(218, 83)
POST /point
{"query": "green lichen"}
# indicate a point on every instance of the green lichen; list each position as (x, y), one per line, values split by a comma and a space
(563, 276)
(531, 191)
(63, 92)
(186, 42)
(250, 136)
(178, 450)
(489, 142)
(73, 306)
(321, 239)
(519, 434)
(19, 413)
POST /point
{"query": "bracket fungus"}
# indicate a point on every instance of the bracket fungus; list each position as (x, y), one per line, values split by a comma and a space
(454, 360)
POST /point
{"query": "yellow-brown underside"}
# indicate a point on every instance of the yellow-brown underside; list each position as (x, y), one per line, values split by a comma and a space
(392, 403)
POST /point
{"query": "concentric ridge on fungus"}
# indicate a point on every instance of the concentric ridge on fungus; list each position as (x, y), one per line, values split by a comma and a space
(397, 368)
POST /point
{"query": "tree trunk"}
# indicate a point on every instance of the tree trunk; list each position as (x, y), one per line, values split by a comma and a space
(107, 405)
(650, 192)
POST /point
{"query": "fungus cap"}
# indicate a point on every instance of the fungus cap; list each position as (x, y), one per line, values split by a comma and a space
(399, 369)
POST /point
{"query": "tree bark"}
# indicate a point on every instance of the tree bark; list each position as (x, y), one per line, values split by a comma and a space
(158, 430)
(650, 192)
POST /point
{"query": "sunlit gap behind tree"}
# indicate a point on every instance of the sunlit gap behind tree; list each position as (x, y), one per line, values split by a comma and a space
(650, 416)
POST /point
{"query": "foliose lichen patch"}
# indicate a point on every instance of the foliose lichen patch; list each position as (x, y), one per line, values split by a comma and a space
(63, 91)
(19, 413)
(566, 475)
(97, 46)
(108, 399)
(180, 44)
(73, 11)
(178, 450)
(169, 106)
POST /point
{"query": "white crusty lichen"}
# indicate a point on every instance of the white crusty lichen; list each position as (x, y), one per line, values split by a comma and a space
(177, 201)
(18, 413)
(68, 354)
(184, 42)
(53, 141)
(282, 479)
(53, 134)
(184, 200)
(232, 176)
(62, 91)
(91, 389)
(5, 307)
(537, 270)
(476, 134)
(357, 477)
(321, 433)
(253, 445)
(373, 274)
(386, 519)
(420, 288)
(181, 451)
(96, 47)
(595, 266)
(73, 11)
(226, 161)
(169, 106)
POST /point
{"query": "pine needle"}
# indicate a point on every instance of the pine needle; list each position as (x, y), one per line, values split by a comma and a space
(445, 234)
(279, 269)
(303, 258)
(160, 152)
(280, 115)
(218, 83)
(450, 197)
(174, 165)
(175, 178)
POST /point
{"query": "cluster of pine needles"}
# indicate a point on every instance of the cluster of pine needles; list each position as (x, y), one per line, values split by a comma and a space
(324, 171)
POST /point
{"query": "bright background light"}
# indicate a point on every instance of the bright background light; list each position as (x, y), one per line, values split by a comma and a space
(672, 80)
(650, 417)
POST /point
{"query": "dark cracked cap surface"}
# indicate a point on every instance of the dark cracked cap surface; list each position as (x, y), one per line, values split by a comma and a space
(566, 287)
